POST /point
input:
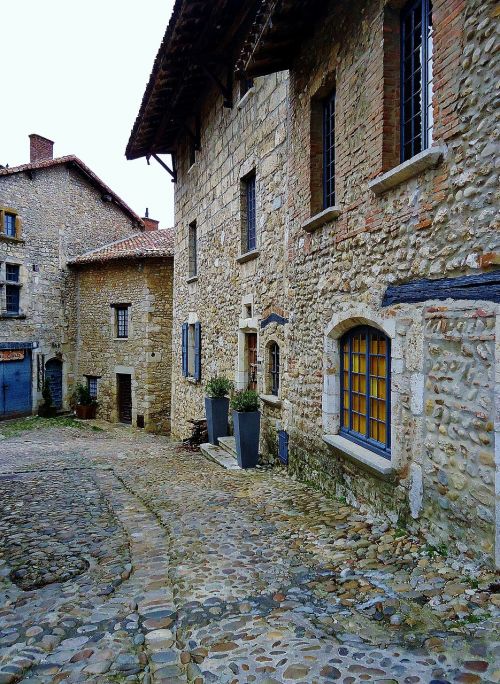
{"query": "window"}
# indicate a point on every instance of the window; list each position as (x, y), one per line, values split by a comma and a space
(416, 78)
(245, 85)
(248, 214)
(121, 320)
(365, 389)
(329, 151)
(274, 368)
(9, 223)
(12, 273)
(92, 385)
(193, 250)
(191, 351)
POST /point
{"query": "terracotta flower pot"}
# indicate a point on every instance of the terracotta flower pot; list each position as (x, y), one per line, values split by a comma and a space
(85, 412)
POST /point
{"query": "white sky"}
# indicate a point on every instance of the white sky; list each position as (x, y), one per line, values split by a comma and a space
(75, 72)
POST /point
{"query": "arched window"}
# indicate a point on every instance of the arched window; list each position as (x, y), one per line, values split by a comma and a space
(274, 368)
(365, 389)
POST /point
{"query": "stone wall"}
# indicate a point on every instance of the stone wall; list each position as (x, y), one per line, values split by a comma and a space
(146, 354)
(440, 222)
(61, 216)
(228, 297)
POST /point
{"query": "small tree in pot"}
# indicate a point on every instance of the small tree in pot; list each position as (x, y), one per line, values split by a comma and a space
(217, 407)
(85, 404)
(246, 417)
(46, 410)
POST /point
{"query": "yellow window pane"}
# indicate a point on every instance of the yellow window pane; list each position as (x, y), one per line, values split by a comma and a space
(355, 422)
(345, 419)
(355, 402)
(362, 425)
(382, 346)
(373, 387)
(346, 399)
(362, 344)
(355, 383)
(362, 404)
(355, 363)
(382, 433)
(374, 429)
(382, 389)
(362, 383)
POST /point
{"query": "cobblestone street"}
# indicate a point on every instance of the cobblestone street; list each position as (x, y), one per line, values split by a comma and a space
(125, 557)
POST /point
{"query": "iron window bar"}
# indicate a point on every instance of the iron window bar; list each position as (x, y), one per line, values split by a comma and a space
(275, 369)
(122, 321)
(329, 151)
(251, 214)
(416, 78)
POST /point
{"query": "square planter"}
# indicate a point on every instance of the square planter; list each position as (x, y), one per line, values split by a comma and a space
(246, 433)
(85, 412)
(217, 411)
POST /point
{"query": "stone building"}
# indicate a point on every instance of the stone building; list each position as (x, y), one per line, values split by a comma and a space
(364, 308)
(52, 211)
(124, 325)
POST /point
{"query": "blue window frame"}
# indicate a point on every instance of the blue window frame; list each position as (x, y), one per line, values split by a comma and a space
(12, 273)
(416, 78)
(191, 350)
(274, 353)
(10, 224)
(365, 389)
(251, 217)
(329, 151)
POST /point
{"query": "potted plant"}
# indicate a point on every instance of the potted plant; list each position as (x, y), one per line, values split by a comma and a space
(85, 405)
(46, 410)
(246, 417)
(217, 407)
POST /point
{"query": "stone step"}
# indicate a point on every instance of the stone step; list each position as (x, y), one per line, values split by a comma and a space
(228, 444)
(219, 456)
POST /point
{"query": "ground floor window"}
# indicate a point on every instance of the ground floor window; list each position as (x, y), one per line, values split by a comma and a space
(92, 385)
(191, 351)
(365, 388)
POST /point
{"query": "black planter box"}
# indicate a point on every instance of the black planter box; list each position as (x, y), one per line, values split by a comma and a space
(217, 411)
(246, 433)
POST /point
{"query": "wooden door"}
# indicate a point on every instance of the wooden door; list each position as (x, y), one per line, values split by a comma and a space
(252, 360)
(124, 391)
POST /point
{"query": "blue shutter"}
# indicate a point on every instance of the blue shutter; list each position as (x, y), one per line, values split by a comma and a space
(185, 329)
(197, 352)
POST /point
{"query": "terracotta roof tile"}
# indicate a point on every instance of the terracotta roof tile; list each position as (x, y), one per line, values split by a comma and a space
(155, 243)
(84, 170)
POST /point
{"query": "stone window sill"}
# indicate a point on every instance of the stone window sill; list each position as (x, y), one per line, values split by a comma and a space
(121, 339)
(248, 256)
(320, 219)
(428, 159)
(271, 399)
(366, 459)
(245, 98)
(192, 279)
(12, 315)
(192, 380)
(8, 238)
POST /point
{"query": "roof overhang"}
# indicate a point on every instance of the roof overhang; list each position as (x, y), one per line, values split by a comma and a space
(200, 46)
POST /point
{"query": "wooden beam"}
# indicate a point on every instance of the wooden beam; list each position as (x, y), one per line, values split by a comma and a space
(484, 286)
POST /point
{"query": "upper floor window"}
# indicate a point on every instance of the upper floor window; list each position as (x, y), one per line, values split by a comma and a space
(249, 214)
(193, 250)
(9, 223)
(416, 78)
(329, 151)
(365, 386)
(121, 320)
(274, 368)
(12, 273)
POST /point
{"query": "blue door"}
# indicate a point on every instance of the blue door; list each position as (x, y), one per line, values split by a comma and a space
(53, 374)
(15, 383)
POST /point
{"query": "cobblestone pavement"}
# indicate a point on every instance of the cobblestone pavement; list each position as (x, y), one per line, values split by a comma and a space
(124, 557)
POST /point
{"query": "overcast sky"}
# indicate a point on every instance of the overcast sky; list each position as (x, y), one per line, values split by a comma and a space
(75, 72)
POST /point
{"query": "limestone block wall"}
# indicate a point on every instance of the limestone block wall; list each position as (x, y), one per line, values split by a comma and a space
(61, 216)
(228, 298)
(146, 354)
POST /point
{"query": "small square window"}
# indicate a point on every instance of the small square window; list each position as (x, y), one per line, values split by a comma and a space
(10, 224)
(121, 321)
(12, 273)
(92, 385)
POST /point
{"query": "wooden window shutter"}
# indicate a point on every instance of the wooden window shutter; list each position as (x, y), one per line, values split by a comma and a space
(185, 329)
(2, 224)
(18, 227)
(197, 352)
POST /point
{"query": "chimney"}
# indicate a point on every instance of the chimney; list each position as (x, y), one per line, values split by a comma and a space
(40, 148)
(149, 223)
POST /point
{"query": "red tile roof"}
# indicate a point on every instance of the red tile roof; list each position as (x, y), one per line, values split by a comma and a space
(84, 170)
(155, 243)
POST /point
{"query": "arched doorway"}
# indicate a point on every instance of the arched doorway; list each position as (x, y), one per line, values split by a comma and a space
(53, 374)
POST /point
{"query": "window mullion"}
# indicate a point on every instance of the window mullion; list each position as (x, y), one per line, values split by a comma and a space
(368, 387)
(349, 394)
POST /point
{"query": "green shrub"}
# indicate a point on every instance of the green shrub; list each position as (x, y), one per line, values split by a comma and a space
(82, 396)
(219, 387)
(245, 401)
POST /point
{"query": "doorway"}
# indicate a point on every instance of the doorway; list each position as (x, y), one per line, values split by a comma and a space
(124, 393)
(53, 375)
